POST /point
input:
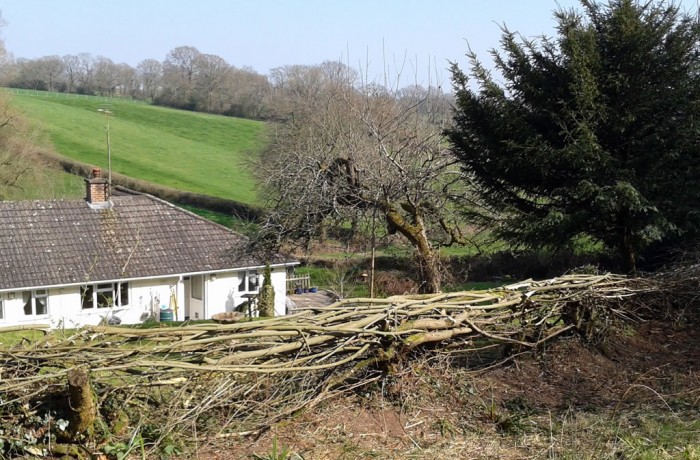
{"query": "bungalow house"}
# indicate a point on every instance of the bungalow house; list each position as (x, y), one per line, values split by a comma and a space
(122, 258)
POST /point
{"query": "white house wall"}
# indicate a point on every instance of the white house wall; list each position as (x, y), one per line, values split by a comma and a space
(145, 300)
(220, 293)
(279, 282)
(148, 296)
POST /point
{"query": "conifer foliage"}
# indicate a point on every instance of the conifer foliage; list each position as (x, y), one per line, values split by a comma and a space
(591, 134)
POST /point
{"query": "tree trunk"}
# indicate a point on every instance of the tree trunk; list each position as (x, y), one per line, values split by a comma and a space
(627, 254)
(429, 265)
(428, 262)
(266, 303)
(81, 405)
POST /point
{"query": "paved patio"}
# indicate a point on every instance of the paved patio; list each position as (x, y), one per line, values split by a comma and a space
(311, 299)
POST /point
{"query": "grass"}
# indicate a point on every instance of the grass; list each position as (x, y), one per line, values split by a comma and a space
(227, 220)
(48, 184)
(208, 154)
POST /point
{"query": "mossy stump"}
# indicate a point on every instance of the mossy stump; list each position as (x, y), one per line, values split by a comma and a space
(81, 405)
(266, 304)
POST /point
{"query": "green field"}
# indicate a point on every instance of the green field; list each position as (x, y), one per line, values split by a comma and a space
(208, 154)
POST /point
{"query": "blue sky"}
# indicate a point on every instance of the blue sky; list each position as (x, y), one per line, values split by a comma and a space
(415, 38)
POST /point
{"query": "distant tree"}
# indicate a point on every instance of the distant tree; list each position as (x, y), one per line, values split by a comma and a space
(345, 152)
(211, 75)
(50, 70)
(150, 73)
(127, 82)
(106, 76)
(179, 70)
(28, 74)
(245, 92)
(594, 134)
(86, 73)
(71, 70)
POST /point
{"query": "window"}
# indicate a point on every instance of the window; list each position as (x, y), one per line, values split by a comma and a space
(104, 295)
(123, 294)
(36, 302)
(248, 281)
(2, 310)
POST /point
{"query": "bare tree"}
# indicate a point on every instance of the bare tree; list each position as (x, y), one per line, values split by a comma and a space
(45, 73)
(106, 74)
(71, 70)
(150, 72)
(28, 75)
(211, 73)
(178, 76)
(348, 151)
(126, 80)
(51, 68)
(86, 73)
(245, 93)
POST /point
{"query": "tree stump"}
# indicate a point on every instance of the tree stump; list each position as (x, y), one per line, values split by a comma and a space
(81, 405)
(266, 304)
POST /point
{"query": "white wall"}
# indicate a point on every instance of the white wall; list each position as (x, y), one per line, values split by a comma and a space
(220, 293)
(145, 299)
(279, 282)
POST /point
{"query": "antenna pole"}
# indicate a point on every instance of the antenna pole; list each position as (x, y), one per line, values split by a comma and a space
(109, 159)
(107, 113)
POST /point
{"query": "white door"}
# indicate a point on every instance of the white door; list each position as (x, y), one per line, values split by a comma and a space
(195, 297)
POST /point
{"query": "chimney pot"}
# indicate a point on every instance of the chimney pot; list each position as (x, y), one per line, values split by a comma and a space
(97, 190)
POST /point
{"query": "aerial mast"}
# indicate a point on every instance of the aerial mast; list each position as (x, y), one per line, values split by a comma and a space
(108, 113)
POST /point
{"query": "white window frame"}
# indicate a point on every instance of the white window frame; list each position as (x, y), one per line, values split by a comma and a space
(31, 301)
(244, 284)
(114, 289)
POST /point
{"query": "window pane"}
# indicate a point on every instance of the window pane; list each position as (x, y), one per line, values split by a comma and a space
(86, 296)
(105, 299)
(197, 287)
(253, 281)
(124, 294)
(27, 297)
(2, 310)
(41, 306)
(241, 281)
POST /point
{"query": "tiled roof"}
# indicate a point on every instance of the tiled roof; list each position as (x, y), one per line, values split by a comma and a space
(49, 243)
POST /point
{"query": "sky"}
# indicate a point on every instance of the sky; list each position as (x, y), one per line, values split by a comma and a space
(414, 40)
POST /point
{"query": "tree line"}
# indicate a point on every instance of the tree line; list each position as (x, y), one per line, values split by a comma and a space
(185, 79)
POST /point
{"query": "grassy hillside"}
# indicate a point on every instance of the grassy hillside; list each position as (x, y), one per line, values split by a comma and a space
(190, 151)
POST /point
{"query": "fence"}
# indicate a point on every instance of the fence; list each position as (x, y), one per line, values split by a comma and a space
(60, 95)
(301, 282)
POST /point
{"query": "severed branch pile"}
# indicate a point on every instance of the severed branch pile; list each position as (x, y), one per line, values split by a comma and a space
(244, 377)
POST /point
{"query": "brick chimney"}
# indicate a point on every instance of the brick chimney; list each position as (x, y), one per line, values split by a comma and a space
(97, 190)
